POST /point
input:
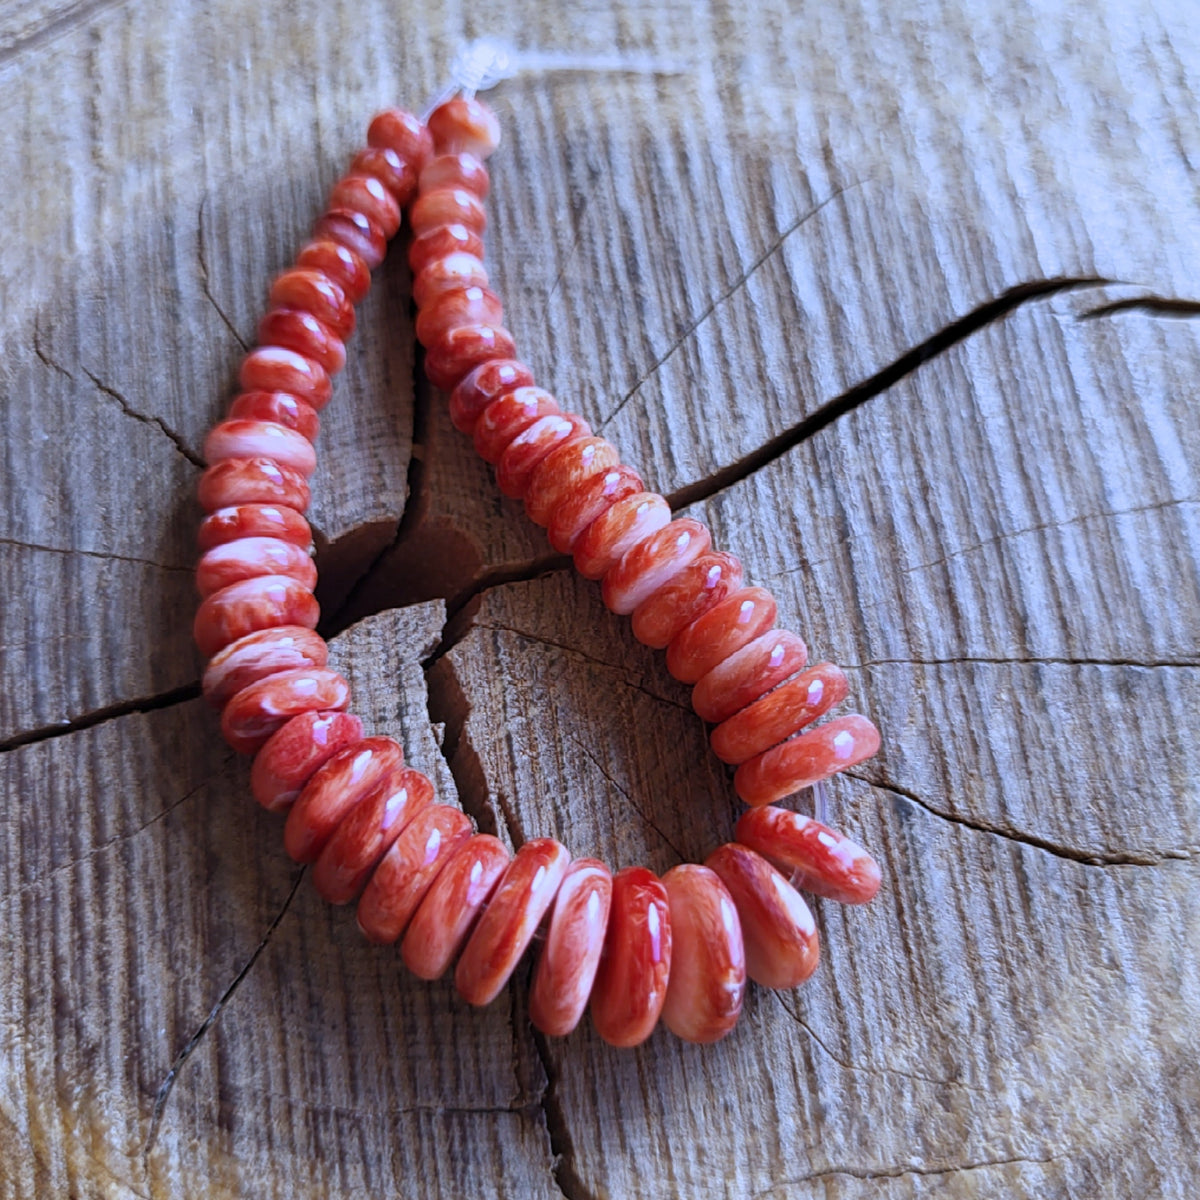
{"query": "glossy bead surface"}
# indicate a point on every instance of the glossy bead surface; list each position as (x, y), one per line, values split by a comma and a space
(277, 369)
(460, 306)
(464, 125)
(509, 415)
(243, 438)
(263, 602)
(354, 230)
(394, 172)
(237, 481)
(451, 904)
(447, 206)
(295, 751)
(236, 521)
(805, 759)
(314, 292)
(571, 955)
(631, 983)
(414, 862)
(780, 713)
(398, 130)
(822, 861)
(653, 561)
(563, 471)
(367, 194)
(462, 350)
(248, 557)
(747, 674)
(448, 274)
(525, 891)
(367, 832)
(280, 407)
(461, 170)
(618, 529)
(778, 930)
(587, 502)
(483, 385)
(685, 597)
(334, 790)
(531, 446)
(440, 242)
(294, 329)
(264, 706)
(257, 655)
(340, 264)
(708, 960)
(723, 630)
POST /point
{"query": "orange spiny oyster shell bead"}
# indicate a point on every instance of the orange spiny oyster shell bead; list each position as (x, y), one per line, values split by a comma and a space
(778, 930)
(685, 597)
(562, 472)
(293, 754)
(823, 861)
(264, 706)
(708, 960)
(524, 893)
(617, 529)
(257, 655)
(651, 562)
(747, 674)
(233, 522)
(721, 631)
(259, 603)
(464, 125)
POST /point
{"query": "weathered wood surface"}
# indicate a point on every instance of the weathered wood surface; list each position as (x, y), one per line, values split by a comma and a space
(854, 286)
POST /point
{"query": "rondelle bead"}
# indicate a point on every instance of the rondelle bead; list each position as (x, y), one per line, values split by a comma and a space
(447, 206)
(295, 751)
(244, 438)
(708, 959)
(394, 172)
(464, 125)
(563, 471)
(264, 706)
(295, 329)
(449, 908)
(570, 957)
(618, 529)
(652, 561)
(509, 415)
(780, 713)
(587, 502)
(367, 832)
(822, 861)
(340, 264)
(448, 274)
(483, 385)
(806, 759)
(723, 630)
(778, 930)
(277, 369)
(631, 983)
(460, 170)
(462, 350)
(280, 407)
(747, 674)
(263, 602)
(257, 655)
(685, 597)
(440, 242)
(513, 914)
(367, 194)
(248, 557)
(530, 447)
(415, 860)
(238, 481)
(254, 520)
(314, 292)
(354, 230)
(352, 773)
(398, 130)
(462, 306)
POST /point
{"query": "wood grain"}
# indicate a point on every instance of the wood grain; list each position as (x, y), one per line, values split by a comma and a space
(902, 302)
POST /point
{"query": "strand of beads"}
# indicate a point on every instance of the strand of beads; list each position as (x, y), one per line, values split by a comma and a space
(634, 946)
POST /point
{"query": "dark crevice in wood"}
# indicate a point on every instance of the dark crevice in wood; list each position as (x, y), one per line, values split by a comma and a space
(56, 26)
(1158, 306)
(204, 283)
(554, 1117)
(831, 410)
(155, 422)
(97, 716)
(1089, 858)
(165, 1088)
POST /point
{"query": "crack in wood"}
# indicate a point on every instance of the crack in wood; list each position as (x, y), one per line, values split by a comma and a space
(204, 280)
(1158, 306)
(1089, 858)
(156, 422)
